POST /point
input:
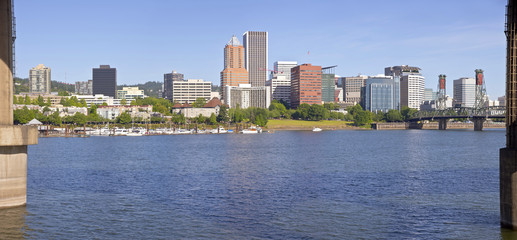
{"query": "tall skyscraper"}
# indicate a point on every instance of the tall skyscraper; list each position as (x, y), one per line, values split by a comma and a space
(464, 92)
(281, 80)
(168, 78)
(305, 85)
(105, 81)
(256, 61)
(412, 85)
(234, 72)
(39, 79)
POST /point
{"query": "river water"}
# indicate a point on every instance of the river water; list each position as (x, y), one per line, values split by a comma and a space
(409, 184)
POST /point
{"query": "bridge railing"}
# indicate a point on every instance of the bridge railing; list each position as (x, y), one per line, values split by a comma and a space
(461, 111)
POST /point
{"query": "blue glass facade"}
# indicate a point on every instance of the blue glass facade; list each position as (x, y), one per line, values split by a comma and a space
(382, 94)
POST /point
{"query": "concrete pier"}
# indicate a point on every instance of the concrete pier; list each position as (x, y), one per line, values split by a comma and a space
(13, 139)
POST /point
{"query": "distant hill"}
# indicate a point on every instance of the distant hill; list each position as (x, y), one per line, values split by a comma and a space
(61, 86)
(150, 88)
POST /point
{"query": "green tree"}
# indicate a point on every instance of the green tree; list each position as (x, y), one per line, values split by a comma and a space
(317, 112)
(54, 118)
(393, 116)
(27, 100)
(15, 100)
(407, 112)
(199, 103)
(40, 101)
(123, 102)
(362, 118)
(79, 118)
(83, 103)
(222, 117)
(124, 118)
(20, 100)
(212, 120)
(49, 102)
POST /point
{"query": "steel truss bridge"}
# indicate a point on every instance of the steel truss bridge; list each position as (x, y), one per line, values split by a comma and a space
(477, 115)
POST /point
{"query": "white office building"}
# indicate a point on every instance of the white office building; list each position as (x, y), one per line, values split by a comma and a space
(191, 89)
(280, 82)
(130, 93)
(246, 96)
(464, 92)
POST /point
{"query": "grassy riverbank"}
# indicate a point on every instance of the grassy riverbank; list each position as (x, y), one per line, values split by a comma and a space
(287, 124)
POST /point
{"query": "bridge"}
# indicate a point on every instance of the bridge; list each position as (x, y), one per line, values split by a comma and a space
(477, 115)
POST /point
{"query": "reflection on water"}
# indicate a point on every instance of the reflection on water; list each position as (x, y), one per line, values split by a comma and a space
(287, 185)
(12, 223)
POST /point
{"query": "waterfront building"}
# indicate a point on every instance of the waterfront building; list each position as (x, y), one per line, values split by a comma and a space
(412, 84)
(84, 88)
(189, 90)
(39, 79)
(328, 84)
(305, 85)
(256, 57)
(112, 112)
(105, 81)
(54, 98)
(211, 107)
(381, 93)
(98, 99)
(464, 92)
(246, 96)
(168, 79)
(130, 93)
(352, 88)
(234, 72)
(280, 82)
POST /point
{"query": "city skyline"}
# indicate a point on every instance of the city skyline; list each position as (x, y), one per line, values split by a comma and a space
(438, 36)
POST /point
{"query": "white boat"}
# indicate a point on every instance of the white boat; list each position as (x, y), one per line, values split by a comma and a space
(251, 130)
(218, 130)
(120, 132)
(316, 129)
(135, 133)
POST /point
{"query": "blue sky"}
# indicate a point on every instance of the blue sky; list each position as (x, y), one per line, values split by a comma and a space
(144, 41)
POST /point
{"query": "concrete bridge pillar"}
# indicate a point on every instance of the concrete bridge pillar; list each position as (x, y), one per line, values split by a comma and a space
(508, 155)
(478, 123)
(13, 139)
(442, 124)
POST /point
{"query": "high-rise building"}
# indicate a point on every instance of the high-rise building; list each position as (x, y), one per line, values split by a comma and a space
(464, 92)
(191, 89)
(430, 95)
(305, 85)
(168, 78)
(352, 88)
(412, 85)
(105, 81)
(39, 79)
(234, 72)
(256, 57)
(84, 88)
(381, 93)
(246, 96)
(328, 84)
(281, 80)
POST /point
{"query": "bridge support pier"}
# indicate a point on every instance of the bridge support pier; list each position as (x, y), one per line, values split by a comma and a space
(13, 139)
(442, 124)
(508, 187)
(478, 123)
